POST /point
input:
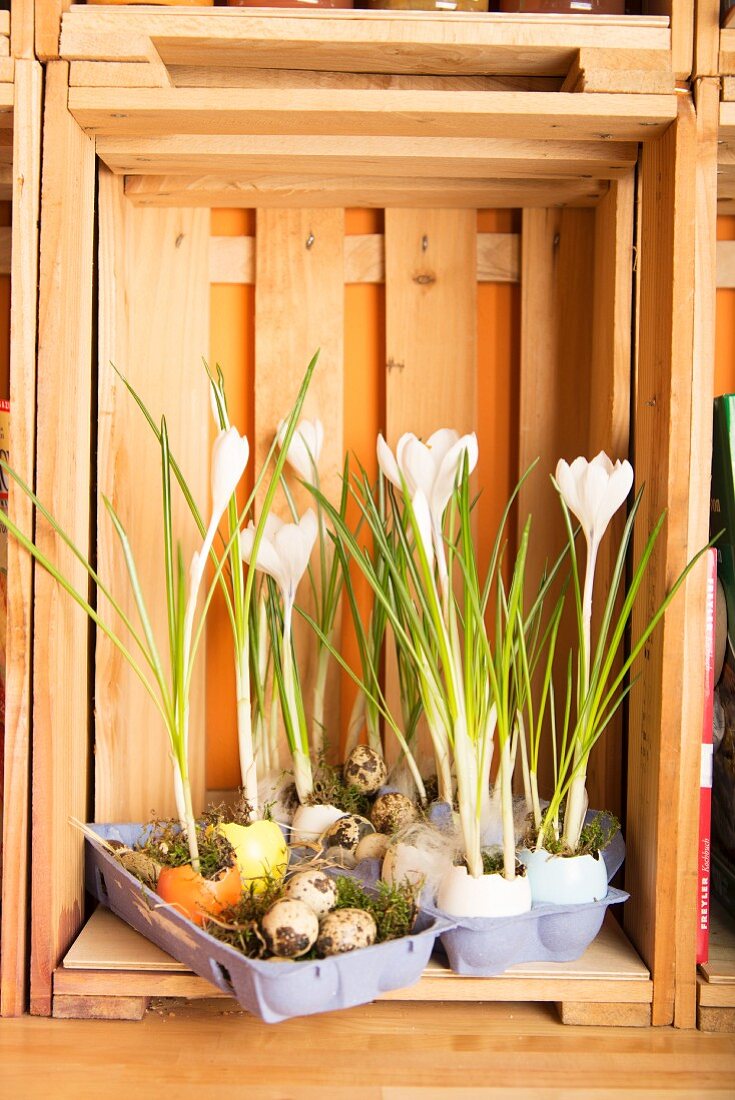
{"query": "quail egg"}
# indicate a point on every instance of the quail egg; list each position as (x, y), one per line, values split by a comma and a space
(372, 846)
(365, 769)
(290, 928)
(315, 889)
(392, 811)
(346, 832)
(345, 930)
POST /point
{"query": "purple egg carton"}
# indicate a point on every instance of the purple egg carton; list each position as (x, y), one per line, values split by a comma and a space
(273, 991)
(484, 947)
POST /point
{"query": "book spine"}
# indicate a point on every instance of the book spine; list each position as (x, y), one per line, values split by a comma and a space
(705, 782)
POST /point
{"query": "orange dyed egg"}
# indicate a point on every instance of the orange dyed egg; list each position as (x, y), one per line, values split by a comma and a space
(197, 897)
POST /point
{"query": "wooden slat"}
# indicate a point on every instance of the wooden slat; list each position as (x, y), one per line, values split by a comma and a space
(390, 113)
(139, 74)
(61, 630)
(248, 156)
(726, 63)
(299, 308)
(431, 342)
(110, 960)
(354, 42)
(434, 286)
(584, 1014)
(99, 1008)
(48, 27)
(232, 259)
(609, 430)
(15, 872)
(702, 393)
(557, 300)
(315, 191)
(662, 461)
(707, 38)
(21, 29)
(156, 331)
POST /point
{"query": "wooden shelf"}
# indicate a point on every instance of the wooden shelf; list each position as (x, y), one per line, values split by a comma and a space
(360, 41)
(108, 960)
(716, 987)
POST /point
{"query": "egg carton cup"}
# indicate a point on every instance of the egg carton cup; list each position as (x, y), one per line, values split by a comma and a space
(274, 991)
(484, 947)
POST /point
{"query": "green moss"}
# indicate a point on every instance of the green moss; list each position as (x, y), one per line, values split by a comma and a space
(393, 907)
(593, 839)
(330, 789)
(168, 846)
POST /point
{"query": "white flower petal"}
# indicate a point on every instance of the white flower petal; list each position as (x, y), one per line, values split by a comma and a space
(449, 471)
(387, 462)
(418, 467)
(268, 560)
(293, 545)
(440, 442)
(230, 453)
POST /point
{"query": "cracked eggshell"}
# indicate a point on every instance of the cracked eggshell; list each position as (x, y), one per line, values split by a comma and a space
(345, 930)
(290, 928)
(392, 812)
(365, 769)
(309, 822)
(315, 889)
(347, 832)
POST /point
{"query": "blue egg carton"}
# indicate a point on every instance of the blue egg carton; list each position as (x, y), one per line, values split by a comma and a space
(274, 991)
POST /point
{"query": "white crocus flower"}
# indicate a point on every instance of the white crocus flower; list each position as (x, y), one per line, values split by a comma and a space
(433, 468)
(305, 447)
(283, 552)
(230, 453)
(593, 492)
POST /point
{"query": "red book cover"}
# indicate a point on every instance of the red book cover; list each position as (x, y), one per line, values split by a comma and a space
(705, 783)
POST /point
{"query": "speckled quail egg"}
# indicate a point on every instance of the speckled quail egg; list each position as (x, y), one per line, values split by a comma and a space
(392, 811)
(365, 769)
(345, 930)
(315, 889)
(290, 928)
(346, 832)
(372, 846)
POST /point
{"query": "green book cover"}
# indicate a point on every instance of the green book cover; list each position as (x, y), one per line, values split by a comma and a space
(722, 519)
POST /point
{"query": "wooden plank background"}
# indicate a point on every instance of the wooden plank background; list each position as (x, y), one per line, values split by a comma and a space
(154, 326)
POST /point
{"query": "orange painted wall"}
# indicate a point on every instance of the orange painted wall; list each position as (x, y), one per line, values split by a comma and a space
(725, 347)
(232, 345)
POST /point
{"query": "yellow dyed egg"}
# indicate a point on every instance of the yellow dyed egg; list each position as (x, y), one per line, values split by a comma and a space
(260, 852)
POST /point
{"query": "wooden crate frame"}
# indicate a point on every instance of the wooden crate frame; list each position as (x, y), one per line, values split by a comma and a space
(20, 178)
(137, 134)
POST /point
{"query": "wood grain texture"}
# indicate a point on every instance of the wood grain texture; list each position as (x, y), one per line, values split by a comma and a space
(393, 113)
(657, 845)
(99, 1008)
(23, 326)
(465, 158)
(431, 344)
(584, 1014)
(718, 1020)
(391, 42)
(156, 331)
(557, 302)
(702, 390)
(61, 630)
(232, 259)
(22, 29)
(48, 27)
(286, 192)
(706, 38)
(384, 1051)
(609, 430)
(299, 309)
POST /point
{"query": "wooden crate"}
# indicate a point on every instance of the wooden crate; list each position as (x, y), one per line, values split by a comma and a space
(169, 130)
(20, 174)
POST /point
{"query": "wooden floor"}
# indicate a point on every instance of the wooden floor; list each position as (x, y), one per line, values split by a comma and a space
(385, 1051)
